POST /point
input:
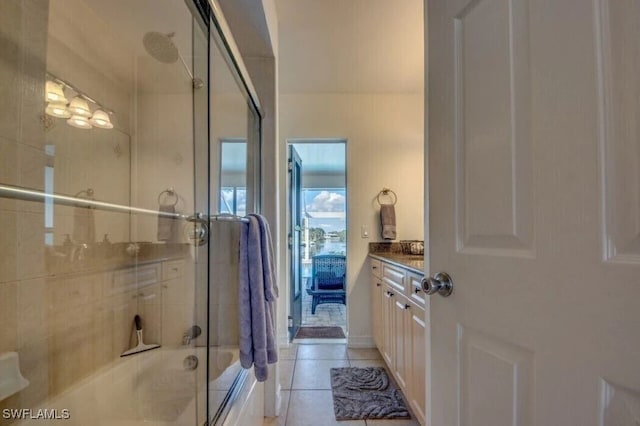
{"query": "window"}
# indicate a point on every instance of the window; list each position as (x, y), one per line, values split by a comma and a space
(233, 177)
(325, 221)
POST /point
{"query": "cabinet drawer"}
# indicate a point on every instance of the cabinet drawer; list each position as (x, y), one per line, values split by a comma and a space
(376, 267)
(133, 278)
(414, 289)
(172, 269)
(393, 276)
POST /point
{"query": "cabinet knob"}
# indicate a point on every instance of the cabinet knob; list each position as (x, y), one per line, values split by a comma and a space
(406, 306)
(378, 284)
(417, 290)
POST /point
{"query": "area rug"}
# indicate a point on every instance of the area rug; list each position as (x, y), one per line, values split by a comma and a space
(366, 393)
(320, 333)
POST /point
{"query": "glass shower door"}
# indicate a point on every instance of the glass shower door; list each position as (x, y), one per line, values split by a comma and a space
(104, 158)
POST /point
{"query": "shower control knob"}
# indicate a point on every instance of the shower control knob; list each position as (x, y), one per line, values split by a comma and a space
(440, 283)
(190, 363)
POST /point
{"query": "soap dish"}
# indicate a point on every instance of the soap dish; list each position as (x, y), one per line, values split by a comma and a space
(11, 380)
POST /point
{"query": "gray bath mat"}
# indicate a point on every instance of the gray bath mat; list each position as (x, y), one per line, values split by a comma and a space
(366, 393)
(320, 333)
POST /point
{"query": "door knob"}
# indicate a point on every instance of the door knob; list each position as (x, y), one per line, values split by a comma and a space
(440, 283)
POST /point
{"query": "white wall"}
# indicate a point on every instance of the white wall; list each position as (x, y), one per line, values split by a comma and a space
(384, 134)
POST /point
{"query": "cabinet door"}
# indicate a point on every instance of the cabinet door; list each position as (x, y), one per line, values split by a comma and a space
(177, 312)
(376, 311)
(387, 327)
(401, 338)
(122, 307)
(416, 394)
(150, 310)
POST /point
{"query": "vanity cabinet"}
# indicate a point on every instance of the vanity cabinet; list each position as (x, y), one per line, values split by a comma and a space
(159, 293)
(399, 327)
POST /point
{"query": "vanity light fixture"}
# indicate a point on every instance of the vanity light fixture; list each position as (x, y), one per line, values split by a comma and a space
(79, 121)
(55, 93)
(59, 110)
(79, 106)
(78, 113)
(101, 119)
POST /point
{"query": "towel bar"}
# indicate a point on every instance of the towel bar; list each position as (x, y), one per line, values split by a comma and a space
(19, 193)
(222, 217)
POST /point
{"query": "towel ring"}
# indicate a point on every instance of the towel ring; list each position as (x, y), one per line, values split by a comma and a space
(88, 192)
(170, 192)
(388, 192)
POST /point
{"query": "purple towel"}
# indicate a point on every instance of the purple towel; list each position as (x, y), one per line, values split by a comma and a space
(257, 294)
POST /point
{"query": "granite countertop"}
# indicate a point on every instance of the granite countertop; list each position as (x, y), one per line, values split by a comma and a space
(96, 261)
(392, 252)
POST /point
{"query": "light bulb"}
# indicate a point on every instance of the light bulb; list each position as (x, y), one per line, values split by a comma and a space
(79, 121)
(55, 93)
(58, 110)
(101, 119)
(79, 106)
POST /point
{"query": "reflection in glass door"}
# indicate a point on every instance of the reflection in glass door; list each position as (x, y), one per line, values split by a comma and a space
(115, 297)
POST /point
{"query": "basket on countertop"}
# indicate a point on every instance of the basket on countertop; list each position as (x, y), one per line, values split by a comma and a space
(412, 247)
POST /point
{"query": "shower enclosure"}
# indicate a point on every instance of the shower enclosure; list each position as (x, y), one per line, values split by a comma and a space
(112, 121)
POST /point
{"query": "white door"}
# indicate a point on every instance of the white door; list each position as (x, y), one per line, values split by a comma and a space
(534, 200)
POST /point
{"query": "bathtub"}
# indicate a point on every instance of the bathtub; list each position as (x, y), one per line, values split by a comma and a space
(149, 388)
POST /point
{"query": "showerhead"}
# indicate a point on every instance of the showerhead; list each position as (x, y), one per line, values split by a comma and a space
(161, 47)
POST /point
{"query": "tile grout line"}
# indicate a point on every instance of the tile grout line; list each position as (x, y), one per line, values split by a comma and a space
(286, 415)
(295, 360)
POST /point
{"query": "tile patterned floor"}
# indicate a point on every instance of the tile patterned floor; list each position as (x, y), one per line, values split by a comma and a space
(327, 314)
(306, 389)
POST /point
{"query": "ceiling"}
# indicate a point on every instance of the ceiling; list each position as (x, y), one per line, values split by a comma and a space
(247, 20)
(357, 46)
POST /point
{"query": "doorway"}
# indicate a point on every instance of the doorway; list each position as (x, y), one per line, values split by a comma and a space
(318, 239)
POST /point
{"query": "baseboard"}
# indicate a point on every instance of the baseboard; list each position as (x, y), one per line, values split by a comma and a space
(361, 342)
(283, 340)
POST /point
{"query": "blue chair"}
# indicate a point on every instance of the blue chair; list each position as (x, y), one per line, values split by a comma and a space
(328, 280)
